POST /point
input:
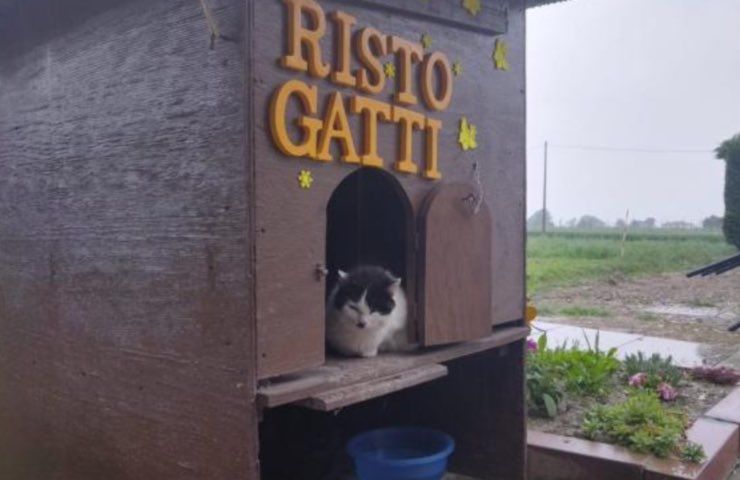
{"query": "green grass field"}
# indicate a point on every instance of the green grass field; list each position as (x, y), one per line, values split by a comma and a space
(569, 257)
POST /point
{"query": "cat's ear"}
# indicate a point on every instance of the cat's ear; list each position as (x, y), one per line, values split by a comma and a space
(342, 274)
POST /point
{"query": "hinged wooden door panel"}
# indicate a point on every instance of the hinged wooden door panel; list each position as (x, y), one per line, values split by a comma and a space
(455, 265)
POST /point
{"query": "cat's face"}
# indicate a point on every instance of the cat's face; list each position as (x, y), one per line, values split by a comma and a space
(366, 297)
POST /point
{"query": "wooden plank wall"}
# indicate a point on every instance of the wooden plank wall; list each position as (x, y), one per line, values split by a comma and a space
(291, 221)
(126, 343)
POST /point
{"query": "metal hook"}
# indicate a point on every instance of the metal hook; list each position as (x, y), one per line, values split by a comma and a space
(475, 200)
(321, 271)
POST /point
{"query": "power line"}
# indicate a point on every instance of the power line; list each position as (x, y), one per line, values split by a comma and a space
(627, 149)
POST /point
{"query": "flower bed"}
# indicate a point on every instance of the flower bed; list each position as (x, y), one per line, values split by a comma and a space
(644, 404)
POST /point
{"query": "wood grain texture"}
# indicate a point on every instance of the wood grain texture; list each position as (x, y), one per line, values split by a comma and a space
(490, 20)
(480, 403)
(350, 395)
(291, 221)
(126, 328)
(455, 265)
(342, 372)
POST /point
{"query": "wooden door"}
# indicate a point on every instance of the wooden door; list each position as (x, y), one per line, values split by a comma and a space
(455, 265)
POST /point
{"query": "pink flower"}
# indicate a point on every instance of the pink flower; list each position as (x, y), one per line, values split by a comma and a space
(531, 345)
(638, 380)
(666, 392)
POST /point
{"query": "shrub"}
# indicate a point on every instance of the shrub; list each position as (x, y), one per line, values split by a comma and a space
(693, 452)
(729, 151)
(657, 369)
(640, 423)
(553, 373)
(545, 387)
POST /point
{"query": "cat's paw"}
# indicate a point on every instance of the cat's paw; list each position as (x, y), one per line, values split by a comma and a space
(369, 354)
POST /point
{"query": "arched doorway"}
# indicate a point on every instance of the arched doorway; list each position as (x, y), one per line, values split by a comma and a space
(369, 220)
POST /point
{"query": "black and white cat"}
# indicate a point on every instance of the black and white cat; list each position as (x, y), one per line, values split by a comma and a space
(366, 313)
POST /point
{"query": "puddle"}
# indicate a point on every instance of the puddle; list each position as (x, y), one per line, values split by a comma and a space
(684, 310)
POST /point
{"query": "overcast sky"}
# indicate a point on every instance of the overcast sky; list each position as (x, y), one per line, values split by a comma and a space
(632, 74)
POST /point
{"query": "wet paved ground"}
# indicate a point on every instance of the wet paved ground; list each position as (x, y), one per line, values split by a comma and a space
(685, 354)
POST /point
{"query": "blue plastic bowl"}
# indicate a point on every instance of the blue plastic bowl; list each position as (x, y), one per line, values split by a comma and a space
(401, 454)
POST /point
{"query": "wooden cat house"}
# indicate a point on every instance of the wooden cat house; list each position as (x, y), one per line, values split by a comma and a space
(180, 180)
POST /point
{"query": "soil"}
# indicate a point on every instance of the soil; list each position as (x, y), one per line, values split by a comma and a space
(698, 309)
(695, 398)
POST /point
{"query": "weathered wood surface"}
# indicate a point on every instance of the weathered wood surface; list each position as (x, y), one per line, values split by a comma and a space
(290, 221)
(344, 396)
(490, 20)
(455, 265)
(126, 343)
(480, 403)
(341, 372)
(129, 153)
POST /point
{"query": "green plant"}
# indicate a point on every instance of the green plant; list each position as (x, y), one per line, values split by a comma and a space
(546, 311)
(578, 311)
(647, 317)
(553, 373)
(729, 151)
(640, 423)
(693, 452)
(702, 303)
(545, 387)
(658, 369)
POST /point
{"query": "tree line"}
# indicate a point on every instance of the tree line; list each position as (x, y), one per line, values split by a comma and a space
(592, 222)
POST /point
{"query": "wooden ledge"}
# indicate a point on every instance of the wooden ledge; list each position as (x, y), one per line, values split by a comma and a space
(338, 373)
(341, 397)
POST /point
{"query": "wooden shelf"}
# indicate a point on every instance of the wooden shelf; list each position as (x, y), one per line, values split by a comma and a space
(326, 386)
(341, 397)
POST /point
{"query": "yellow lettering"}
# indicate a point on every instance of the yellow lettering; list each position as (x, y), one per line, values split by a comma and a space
(336, 126)
(436, 62)
(431, 170)
(342, 74)
(407, 120)
(299, 36)
(310, 126)
(371, 110)
(408, 52)
(370, 45)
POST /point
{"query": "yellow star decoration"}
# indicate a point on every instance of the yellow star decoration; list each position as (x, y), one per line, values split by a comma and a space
(457, 68)
(426, 41)
(472, 6)
(499, 55)
(467, 135)
(390, 69)
(305, 179)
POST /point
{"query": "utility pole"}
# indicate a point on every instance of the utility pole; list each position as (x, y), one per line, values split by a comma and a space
(544, 195)
(624, 231)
